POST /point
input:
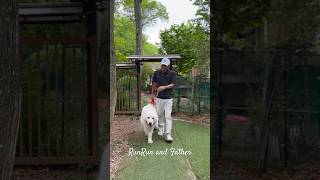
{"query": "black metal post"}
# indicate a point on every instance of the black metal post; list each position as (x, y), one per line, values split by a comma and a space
(138, 69)
(91, 33)
(285, 119)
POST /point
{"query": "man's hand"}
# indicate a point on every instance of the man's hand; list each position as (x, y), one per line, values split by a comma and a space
(161, 88)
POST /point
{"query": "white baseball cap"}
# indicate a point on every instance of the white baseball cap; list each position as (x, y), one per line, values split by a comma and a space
(165, 61)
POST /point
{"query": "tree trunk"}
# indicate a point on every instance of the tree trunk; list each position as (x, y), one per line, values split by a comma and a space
(138, 21)
(113, 87)
(10, 93)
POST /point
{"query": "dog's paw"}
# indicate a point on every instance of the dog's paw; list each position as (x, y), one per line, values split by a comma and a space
(150, 141)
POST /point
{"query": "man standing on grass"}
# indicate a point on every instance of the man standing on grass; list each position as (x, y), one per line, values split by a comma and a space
(162, 85)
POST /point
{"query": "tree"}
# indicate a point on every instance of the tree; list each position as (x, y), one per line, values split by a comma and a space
(190, 41)
(151, 11)
(10, 93)
(145, 13)
(138, 22)
(124, 39)
(112, 60)
(203, 13)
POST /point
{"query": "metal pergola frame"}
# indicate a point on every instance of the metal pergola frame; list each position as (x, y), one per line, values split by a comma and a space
(57, 12)
(140, 59)
(135, 62)
(39, 13)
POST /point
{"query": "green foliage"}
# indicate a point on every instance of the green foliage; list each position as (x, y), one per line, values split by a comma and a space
(190, 41)
(148, 48)
(152, 10)
(203, 13)
(124, 39)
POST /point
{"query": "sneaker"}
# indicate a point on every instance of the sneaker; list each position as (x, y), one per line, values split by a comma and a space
(160, 133)
(168, 138)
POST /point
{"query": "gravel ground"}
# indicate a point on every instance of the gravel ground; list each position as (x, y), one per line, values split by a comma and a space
(122, 127)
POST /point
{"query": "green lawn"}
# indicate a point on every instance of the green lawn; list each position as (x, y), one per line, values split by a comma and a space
(189, 137)
(197, 139)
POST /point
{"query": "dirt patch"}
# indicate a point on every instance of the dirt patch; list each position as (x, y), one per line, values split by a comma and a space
(203, 119)
(122, 128)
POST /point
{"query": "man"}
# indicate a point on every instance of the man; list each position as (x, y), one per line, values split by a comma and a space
(162, 84)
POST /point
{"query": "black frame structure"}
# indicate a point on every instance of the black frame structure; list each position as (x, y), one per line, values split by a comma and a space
(87, 13)
(136, 61)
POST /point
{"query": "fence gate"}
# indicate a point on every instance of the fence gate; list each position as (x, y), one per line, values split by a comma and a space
(128, 89)
(58, 119)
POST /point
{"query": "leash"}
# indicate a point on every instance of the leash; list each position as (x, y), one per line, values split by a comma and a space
(153, 101)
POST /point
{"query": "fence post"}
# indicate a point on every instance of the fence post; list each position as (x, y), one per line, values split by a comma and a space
(192, 94)
(178, 100)
(138, 84)
(199, 94)
(285, 81)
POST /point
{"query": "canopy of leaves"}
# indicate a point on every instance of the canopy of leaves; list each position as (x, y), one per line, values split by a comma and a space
(124, 39)
(152, 11)
(203, 13)
(190, 41)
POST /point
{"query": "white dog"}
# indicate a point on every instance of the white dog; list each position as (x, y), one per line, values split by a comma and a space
(149, 120)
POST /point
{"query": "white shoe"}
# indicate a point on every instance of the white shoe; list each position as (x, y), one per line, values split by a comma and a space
(168, 137)
(160, 133)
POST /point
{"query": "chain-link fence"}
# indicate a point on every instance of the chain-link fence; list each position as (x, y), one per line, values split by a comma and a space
(267, 106)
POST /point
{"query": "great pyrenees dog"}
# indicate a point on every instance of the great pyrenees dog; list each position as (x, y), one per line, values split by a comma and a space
(149, 120)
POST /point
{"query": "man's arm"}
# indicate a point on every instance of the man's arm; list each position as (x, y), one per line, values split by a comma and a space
(154, 84)
(154, 88)
(169, 86)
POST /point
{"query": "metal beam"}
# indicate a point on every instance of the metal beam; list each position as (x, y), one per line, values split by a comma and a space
(125, 66)
(49, 9)
(153, 58)
(50, 12)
